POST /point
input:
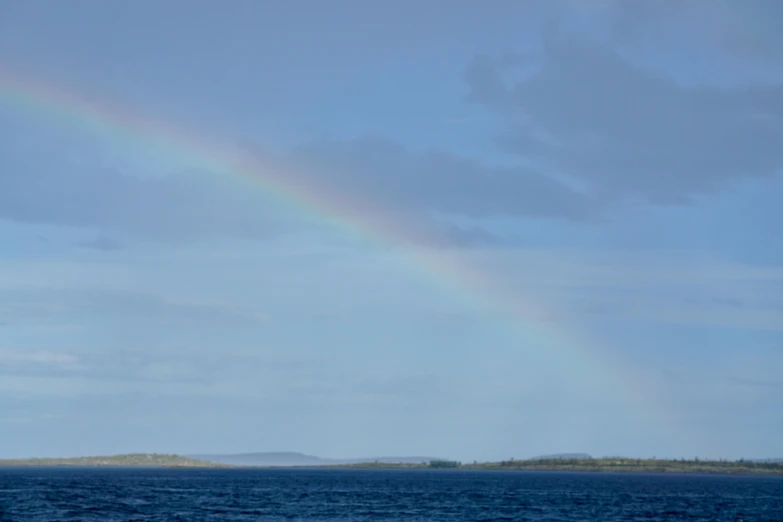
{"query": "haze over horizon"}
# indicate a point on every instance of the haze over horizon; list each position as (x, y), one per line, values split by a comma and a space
(475, 233)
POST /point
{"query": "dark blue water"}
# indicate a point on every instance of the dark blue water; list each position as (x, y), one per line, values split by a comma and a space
(194, 495)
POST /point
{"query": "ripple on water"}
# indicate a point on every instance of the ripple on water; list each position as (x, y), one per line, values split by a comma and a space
(349, 496)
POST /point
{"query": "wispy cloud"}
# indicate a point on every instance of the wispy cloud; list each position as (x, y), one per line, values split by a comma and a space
(756, 383)
(53, 304)
(657, 286)
(18, 357)
(23, 418)
(103, 243)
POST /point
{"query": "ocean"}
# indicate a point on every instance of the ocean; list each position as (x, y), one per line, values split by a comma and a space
(90, 494)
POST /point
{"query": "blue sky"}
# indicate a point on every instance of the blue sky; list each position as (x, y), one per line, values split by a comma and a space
(615, 165)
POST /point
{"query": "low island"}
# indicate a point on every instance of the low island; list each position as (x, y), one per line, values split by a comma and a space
(605, 464)
(143, 460)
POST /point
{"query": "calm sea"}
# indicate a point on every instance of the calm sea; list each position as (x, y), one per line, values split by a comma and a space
(342, 495)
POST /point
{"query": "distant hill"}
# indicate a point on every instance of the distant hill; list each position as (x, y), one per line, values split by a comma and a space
(150, 460)
(563, 456)
(396, 460)
(292, 459)
(281, 458)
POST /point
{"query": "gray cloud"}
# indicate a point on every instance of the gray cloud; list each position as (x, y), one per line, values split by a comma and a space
(746, 30)
(176, 207)
(588, 112)
(582, 112)
(373, 170)
(368, 177)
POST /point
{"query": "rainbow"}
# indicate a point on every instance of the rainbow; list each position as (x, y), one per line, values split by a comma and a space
(543, 344)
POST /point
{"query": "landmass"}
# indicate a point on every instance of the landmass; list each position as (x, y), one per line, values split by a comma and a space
(565, 462)
(613, 464)
(610, 464)
(147, 460)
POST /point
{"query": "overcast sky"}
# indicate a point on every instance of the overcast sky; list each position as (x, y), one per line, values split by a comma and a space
(586, 199)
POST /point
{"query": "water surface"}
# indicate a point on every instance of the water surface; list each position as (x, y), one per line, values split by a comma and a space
(36, 494)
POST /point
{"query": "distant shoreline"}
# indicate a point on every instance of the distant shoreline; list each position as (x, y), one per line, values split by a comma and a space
(597, 465)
